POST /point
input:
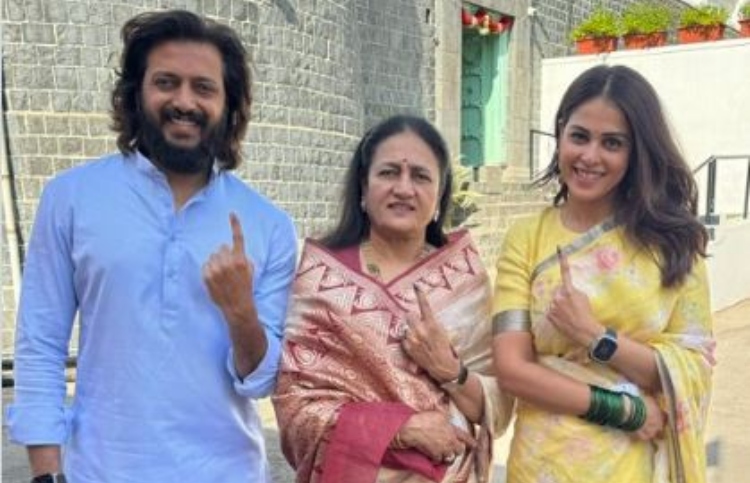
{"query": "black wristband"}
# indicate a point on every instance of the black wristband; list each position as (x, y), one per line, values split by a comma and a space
(463, 375)
(49, 478)
(460, 380)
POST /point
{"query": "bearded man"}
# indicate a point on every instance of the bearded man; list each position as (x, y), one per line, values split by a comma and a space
(177, 271)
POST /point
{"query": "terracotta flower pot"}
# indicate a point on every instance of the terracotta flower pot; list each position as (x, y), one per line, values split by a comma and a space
(596, 45)
(688, 35)
(644, 41)
(745, 27)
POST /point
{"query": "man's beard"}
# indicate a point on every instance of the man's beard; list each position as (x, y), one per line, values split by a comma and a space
(176, 159)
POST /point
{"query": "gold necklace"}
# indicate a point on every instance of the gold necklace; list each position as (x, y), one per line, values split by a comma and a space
(367, 253)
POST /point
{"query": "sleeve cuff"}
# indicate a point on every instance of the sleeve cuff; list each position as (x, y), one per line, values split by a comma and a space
(34, 425)
(262, 381)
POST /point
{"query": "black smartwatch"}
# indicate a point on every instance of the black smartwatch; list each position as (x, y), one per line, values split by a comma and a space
(49, 478)
(603, 347)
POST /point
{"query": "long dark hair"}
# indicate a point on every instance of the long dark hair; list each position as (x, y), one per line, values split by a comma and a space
(657, 199)
(140, 35)
(354, 225)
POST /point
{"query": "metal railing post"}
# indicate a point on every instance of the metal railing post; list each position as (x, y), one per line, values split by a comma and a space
(710, 217)
(711, 191)
(531, 154)
(533, 136)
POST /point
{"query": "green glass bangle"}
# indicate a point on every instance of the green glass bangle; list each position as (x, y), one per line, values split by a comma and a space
(605, 408)
(637, 417)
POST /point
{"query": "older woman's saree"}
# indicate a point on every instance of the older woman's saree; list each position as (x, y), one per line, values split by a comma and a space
(346, 386)
(623, 286)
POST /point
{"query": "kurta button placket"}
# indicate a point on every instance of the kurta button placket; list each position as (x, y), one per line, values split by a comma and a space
(171, 269)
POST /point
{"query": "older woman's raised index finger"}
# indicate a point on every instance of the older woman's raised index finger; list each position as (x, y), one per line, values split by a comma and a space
(238, 238)
(567, 279)
(424, 306)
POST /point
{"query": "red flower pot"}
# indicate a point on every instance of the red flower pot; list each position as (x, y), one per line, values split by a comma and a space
(688, 35)
(596, 45)
(645, 41)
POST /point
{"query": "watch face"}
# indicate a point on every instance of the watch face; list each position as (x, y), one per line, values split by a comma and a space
(604, 349)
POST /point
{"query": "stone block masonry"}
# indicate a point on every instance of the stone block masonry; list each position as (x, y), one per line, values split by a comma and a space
(323, 73)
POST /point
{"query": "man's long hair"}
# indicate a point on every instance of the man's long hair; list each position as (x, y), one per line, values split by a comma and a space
(140, 35)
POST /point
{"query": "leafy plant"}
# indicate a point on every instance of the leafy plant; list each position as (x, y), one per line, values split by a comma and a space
(646, 17)
(601, 23)
(703, 16)
(464, 201)
(745, 11)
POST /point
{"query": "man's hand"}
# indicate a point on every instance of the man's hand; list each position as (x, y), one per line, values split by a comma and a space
(228, 275)
(44, 459)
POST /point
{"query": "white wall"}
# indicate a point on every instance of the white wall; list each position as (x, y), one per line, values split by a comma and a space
(729, 265)
(702, 87)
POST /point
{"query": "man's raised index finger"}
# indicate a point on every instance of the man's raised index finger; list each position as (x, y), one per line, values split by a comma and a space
(238, 239)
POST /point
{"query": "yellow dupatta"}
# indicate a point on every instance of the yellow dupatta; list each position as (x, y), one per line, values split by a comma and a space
(623, 286)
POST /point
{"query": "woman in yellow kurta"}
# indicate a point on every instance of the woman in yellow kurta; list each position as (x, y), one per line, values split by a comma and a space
(602, 320)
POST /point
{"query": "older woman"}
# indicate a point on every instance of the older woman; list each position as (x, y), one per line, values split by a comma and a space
(385, 375)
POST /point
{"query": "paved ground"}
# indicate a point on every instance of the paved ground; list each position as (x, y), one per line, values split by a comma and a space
(15, 467)
(728, 432)
(729, 419)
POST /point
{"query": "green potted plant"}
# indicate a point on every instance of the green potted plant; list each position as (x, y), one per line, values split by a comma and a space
(597, 33)
(464, 200)
(745, 19)
(702, 23)
(645, 24)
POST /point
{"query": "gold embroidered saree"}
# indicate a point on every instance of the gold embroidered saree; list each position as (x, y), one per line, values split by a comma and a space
(624, 288)
(346, 386)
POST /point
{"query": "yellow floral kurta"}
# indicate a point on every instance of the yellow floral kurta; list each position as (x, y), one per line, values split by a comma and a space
(624, 287)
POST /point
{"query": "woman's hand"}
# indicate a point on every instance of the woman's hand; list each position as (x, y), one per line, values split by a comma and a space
(570, 311)
(432, 434)
(655, 420)
(427, 344)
